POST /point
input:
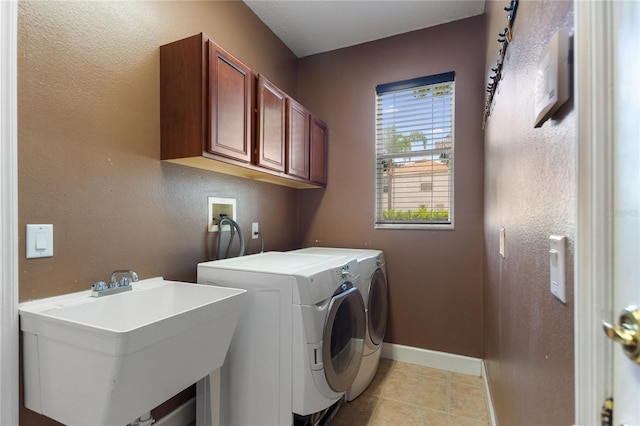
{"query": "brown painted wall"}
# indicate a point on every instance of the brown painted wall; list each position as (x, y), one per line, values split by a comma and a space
(89, 143)
(435, 277)
(530, 190)
(89, 164)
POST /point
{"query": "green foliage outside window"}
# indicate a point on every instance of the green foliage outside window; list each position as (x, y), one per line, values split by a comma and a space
(422, 214)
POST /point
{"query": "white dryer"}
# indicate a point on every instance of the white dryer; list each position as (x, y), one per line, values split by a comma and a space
(373, 286)
(298, 346)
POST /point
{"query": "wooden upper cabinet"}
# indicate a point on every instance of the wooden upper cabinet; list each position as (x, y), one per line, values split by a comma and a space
(318, 147)
(205, 102)
(230, 94)
(297, 140)
(183, 98)
(271, 129)
(216, 115)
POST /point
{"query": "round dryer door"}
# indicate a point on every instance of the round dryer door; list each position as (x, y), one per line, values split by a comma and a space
(378, 307)
(343, 340)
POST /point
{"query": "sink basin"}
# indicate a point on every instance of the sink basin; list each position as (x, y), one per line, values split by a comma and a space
(108, 360)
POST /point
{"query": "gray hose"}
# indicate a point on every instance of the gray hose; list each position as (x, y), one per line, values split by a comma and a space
(233, 225)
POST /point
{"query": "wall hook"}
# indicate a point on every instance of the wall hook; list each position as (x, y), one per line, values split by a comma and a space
(504, 40)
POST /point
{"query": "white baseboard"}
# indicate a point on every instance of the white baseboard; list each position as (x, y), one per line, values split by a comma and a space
(492, 414)
(432, 359)
(184, 415)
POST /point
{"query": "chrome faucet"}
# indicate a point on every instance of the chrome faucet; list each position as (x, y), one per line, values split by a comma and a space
(124, 280)
(101, 288)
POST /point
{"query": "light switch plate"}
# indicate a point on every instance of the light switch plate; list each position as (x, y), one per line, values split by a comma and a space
(39, 241)
(557, 262)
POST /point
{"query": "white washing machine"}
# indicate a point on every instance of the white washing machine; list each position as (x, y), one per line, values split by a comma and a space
(373, 286)
(298, 346)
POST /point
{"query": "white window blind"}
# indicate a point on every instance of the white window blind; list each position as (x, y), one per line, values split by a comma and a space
(414, 152)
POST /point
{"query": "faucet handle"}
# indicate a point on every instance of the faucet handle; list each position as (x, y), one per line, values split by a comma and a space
(124, 281)
(99, 286)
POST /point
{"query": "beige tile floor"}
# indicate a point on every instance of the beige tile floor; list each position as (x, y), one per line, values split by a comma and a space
(408, 394)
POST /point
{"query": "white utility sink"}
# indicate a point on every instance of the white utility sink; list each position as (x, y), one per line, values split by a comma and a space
(108, 360)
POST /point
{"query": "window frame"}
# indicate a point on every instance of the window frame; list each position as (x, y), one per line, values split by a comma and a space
(379, 183)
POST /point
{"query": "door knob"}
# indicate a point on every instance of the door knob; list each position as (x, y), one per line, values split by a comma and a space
(627, 332)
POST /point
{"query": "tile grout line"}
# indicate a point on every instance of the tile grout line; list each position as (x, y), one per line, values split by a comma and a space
(449, 399)
(380, 397)
(450, 380)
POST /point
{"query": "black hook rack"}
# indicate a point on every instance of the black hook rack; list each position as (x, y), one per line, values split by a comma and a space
(504, 39)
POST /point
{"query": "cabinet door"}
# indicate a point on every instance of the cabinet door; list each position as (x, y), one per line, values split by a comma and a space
(230, 88)
(319, 145)
(183, 98)
(297, 140)
(271, 126)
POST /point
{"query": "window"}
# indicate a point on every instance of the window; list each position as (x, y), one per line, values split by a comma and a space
(426, 187)
(414, 153)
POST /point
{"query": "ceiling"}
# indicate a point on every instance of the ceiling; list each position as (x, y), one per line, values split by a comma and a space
(308, 27)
